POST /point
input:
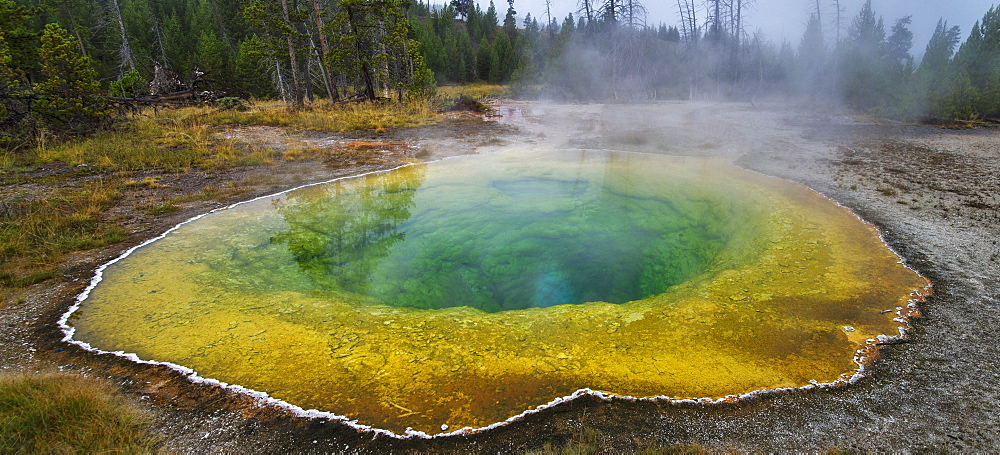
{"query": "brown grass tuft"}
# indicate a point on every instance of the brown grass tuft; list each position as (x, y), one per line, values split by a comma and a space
(59, 413)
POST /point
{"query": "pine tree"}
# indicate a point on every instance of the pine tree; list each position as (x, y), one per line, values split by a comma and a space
(76, 14)
(811, 70)
(979, 59)
(70, 96)
(467, 58)
(510, 22)
(961, 99)
(490, 21)
(436, 47)
(864, 80)
(485, 60)
(8, 85)
(15, 51)
(212, 58)
(506, 58)
(900, 100)
(900, 41)
(146, 33)
(10, 17)
(250, 75)
(373, 48)
(21, 42)
(462, 7)
(474, 24)
(280, 44)
(7, 77)
(938, 54)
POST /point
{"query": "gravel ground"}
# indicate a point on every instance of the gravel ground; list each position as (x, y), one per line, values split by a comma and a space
(935, 194)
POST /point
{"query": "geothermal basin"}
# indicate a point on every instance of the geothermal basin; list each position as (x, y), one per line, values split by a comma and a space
(465, 292)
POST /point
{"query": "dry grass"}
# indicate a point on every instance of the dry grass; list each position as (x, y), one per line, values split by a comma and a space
(474, 91)
(36, 234)
(160, 142)
(68, 414)
(323, 116)
(179, 139)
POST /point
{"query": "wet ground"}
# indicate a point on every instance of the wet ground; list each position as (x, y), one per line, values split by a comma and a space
(935, 194)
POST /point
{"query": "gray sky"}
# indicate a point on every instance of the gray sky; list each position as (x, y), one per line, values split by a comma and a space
(785, 19)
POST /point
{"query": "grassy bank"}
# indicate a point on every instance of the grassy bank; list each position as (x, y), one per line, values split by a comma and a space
(475, 91)
(36, 232)
(69, 414)
(179, 139)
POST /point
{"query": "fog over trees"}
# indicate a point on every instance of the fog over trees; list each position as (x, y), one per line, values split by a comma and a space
(61, 59)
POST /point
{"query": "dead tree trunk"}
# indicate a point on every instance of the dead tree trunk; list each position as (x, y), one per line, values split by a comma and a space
(76, 29)
(548, 15)
(157, 33)
(684, 29)
(366, 72)
(304, 80)
(689, 20)
(293, 62)
(313, 52)
(589, 11)
(125, 50)
(836, 4)
(717, 24)
(324, 48)
(819, 16)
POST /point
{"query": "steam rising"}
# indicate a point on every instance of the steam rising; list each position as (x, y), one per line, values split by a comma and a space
(849, 55)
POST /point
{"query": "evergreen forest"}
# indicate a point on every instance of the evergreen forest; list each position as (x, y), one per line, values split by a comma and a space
(63, 63)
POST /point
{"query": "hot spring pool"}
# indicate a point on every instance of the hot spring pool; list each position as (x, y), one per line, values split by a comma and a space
(463, 292)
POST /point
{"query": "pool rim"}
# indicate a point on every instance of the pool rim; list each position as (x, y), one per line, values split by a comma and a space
(864, 357)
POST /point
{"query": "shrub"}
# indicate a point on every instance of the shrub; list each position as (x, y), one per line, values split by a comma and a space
(131, 85)
(232, 102)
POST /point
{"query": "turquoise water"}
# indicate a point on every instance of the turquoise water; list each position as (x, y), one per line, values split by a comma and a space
(507, 239)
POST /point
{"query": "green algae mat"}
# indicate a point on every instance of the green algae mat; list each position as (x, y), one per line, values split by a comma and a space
(460, 293)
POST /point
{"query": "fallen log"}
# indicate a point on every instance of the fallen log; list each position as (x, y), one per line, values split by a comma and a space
(116, 99)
